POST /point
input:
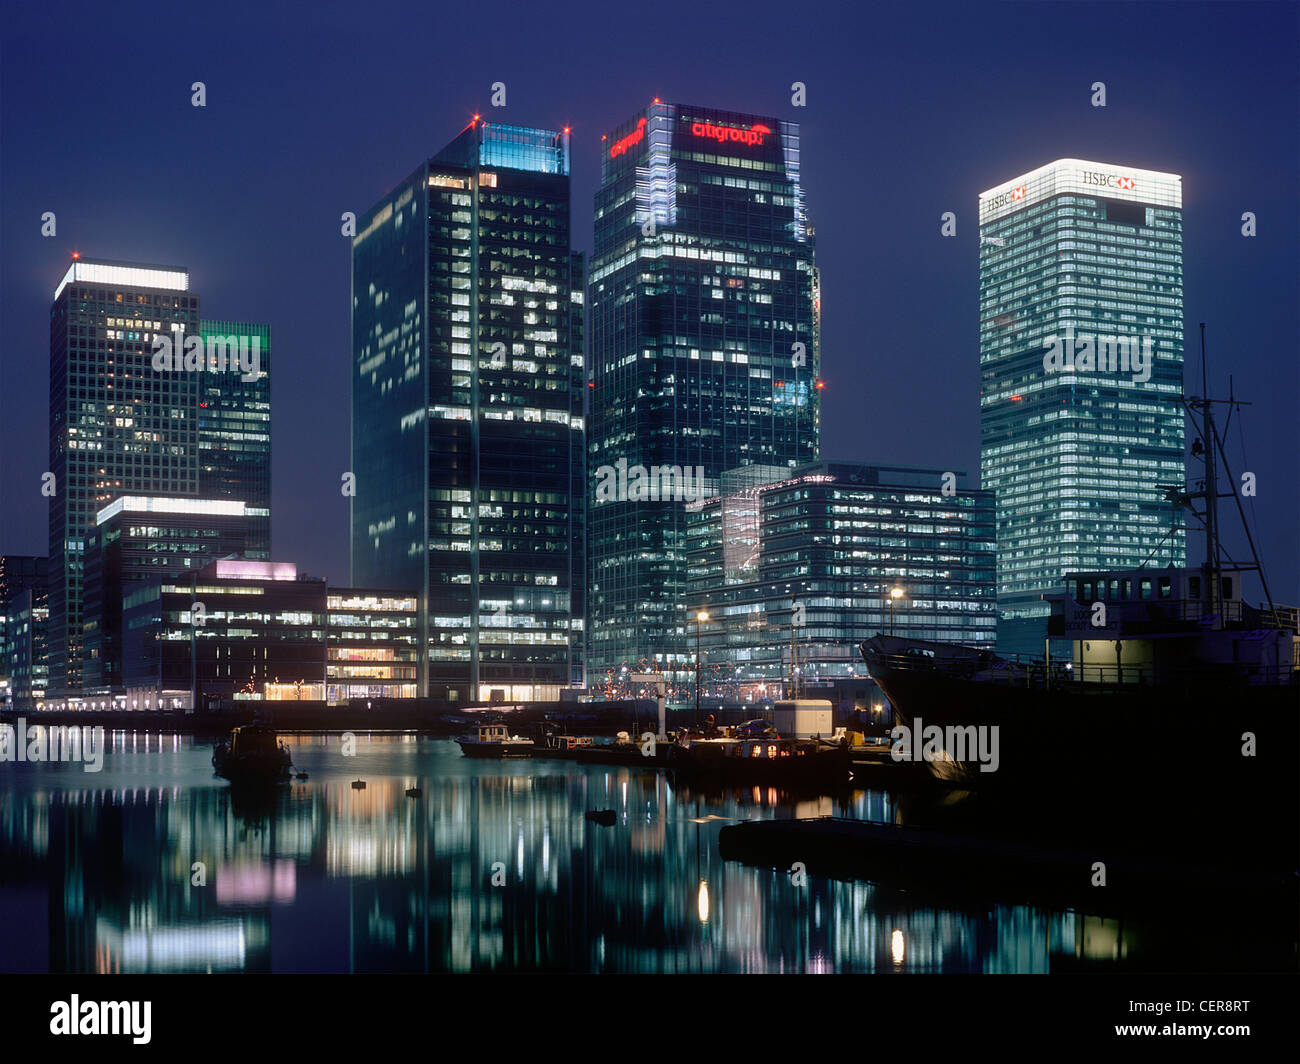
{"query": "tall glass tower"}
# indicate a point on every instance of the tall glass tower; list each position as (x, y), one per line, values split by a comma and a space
(1081, 355)
(234, 431)
(702, 315)
(117, 426)
(468, 437)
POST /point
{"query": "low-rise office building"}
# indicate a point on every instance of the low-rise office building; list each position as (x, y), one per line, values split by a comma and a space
(792, 569)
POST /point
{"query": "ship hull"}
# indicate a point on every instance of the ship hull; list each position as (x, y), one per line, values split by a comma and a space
(1122, 737)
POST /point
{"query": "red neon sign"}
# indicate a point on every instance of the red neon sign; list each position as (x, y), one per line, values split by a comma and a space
(722, 134)
(620, 146)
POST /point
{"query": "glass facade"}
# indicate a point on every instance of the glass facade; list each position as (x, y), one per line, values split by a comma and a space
(704, 352)
(468, 437)
(262, 637)
(137, 538)
(116, 424)
(1081, 353)
(234, 430)
(372, 644)
(801, 566)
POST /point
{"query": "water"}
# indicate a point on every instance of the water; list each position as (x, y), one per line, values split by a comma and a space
(98, 874)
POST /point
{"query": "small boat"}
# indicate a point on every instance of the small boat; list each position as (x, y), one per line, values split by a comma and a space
(358, 785)
(252, 754)
(414, 792)
(770, 759)
(601, 816)
(495, 740)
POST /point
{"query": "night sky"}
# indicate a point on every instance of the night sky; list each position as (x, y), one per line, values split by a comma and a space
(912, 110)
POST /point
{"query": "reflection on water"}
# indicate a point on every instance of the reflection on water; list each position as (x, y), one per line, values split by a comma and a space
(153, 865)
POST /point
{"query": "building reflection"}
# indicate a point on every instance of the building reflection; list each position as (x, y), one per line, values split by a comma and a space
(492, 868)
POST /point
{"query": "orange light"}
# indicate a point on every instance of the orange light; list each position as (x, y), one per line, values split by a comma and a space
(656, 99)
(1017, 398)
(821, 384)
(566, 129)
(76, 254)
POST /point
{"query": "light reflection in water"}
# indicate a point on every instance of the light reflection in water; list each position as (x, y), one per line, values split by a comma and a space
(323, 877)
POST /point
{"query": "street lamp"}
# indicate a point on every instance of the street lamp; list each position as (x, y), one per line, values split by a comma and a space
(895, 593)
(700, 618)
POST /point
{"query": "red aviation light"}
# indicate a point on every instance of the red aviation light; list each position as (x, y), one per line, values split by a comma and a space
(76, 254)
(619, 147)
(820, 384)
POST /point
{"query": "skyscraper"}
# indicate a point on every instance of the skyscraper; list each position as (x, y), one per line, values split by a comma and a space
(117, 425)
(234, 431)
(467, 423)
(1081, 353)
(704, 351)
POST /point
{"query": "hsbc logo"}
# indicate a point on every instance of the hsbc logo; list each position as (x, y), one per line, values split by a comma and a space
(1011, 195)
(1095, 177)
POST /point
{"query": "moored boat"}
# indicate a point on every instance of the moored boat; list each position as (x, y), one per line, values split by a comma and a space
(770, 759)
(495, 741)
(252, 754)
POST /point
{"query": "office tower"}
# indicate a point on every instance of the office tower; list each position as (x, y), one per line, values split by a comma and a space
(702, 313)
(138, 538)
(18, 573)
(23, 652)
(797, 567)
(1081, 357)
(234, 433)
(117, 425)
(467, 426)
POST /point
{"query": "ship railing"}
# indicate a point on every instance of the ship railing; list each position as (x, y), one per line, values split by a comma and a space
(1021, 670)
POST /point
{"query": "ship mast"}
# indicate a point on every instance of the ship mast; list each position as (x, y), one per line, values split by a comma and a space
(1211, 450)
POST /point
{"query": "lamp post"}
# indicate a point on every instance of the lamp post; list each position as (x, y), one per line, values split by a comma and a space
(700, 618)
(895, 593)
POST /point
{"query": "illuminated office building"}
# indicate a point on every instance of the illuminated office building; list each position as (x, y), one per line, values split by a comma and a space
(1081, 361)
(234, 431)
(467, 427)
(138, 538)
(116, 425)
(795, 568)
(703, 311)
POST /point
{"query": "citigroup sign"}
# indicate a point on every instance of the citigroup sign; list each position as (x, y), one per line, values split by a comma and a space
(731, 134)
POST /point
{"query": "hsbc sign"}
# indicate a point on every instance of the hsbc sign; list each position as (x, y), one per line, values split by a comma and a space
(1011, 195)
(1096, 177)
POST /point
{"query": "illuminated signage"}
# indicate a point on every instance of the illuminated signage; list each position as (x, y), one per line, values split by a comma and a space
(619, 147)
(733, 134)
(1095, 177)
(1013, 195)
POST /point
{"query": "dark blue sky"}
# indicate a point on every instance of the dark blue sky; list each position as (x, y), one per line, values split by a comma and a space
(913, 109)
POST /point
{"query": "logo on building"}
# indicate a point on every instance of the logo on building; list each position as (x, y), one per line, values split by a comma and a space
(1096, 177)
(733, 134)
(620, 146)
